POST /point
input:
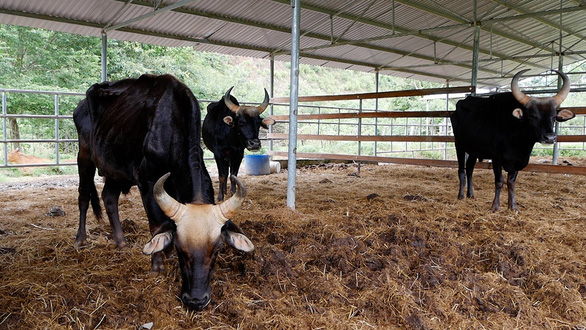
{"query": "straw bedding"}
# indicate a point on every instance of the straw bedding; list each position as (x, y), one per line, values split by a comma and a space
(389, 247)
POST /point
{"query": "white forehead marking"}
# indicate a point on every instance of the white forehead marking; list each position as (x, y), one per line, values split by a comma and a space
(199, 226)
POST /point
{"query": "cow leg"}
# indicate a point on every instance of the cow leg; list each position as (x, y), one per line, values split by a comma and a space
(155, 216)
(222, 176)
(511, 179)
(86, 170)
(461, 171)
(498, 185)
(110, 195)
(223, 188)
(235, 162)
(470, 163)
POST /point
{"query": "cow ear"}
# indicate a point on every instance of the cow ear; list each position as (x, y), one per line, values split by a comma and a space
(158, 243)
(265, 123)
(229, 121)
(235, 238)
(564, 115)
(518, 113)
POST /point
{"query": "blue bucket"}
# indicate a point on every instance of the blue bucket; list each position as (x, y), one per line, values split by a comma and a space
(257, 164)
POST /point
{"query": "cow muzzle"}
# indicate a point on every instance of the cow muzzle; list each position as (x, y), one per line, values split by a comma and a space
(196, 303)
(548, 138)
(253, 145)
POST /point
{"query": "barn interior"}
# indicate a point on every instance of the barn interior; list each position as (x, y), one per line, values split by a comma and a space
(382, 247)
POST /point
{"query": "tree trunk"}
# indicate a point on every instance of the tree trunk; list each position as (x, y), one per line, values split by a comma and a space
(14, 132)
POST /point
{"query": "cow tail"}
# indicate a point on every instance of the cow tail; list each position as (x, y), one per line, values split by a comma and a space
(95, 201)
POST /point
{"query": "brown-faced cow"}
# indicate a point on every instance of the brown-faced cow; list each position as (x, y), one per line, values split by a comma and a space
(134, 131)
(228, 129)
(504, 127)
(16, 156)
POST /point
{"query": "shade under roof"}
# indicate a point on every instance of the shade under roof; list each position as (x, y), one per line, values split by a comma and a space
(420, 39)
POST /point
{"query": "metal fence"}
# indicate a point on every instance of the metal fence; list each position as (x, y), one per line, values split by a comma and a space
(55, 120)
(421, 132)
(49, 132)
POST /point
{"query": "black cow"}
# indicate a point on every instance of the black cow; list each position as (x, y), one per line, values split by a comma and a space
(134, 131)
(229, 128)
(504, 127)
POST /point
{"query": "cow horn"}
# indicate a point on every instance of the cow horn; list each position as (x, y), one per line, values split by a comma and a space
(233, 107)
(520, 96)
(264, 103)
(563, 93)
(230, 206)
(172, 208)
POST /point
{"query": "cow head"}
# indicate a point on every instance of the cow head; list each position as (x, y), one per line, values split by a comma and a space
(15, 155)
(541, 112)
(201, 230)
(247, 120)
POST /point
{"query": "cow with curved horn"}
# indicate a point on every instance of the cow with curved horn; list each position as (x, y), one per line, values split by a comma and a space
(504, 127)
(133, 131)
(198, 235)
(228, 129)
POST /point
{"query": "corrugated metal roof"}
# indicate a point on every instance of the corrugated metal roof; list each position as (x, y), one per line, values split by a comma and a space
(421, 39)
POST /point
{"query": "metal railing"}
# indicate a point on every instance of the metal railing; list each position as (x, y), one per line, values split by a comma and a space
(387, 133)
(405, 129)
(61, 118)
(56, 117)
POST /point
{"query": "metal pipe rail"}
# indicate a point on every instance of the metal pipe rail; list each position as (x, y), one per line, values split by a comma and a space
(354, 117)
(577, 170)
(56, 117)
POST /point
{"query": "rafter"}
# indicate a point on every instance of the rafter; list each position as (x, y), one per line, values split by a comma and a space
(421, 33)
(310, 34)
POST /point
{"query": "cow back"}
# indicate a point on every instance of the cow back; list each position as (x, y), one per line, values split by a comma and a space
(143, 128)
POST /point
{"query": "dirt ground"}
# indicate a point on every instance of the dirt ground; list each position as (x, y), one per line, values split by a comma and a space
(389, 248)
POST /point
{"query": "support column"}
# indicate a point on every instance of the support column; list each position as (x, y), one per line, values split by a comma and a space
(293, 105)
(556, 145)
(556, 129)
(474, 80)
(104, 56)
(272, 94)
(376, 81)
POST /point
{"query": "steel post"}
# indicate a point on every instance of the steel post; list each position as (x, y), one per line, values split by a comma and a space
(104, 56)
(293, 104)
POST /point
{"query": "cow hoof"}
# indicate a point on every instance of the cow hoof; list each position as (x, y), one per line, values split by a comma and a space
(122, 244)
(80, 243)
(153, 273)
(157, 270)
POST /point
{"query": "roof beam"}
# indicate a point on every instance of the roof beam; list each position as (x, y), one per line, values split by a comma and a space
(421, 33)
(539, 16)
(309, 34)
(459, 19)
(49, 18)
(328, 38)
(147, 15)
(207, 41)
(402, 32)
